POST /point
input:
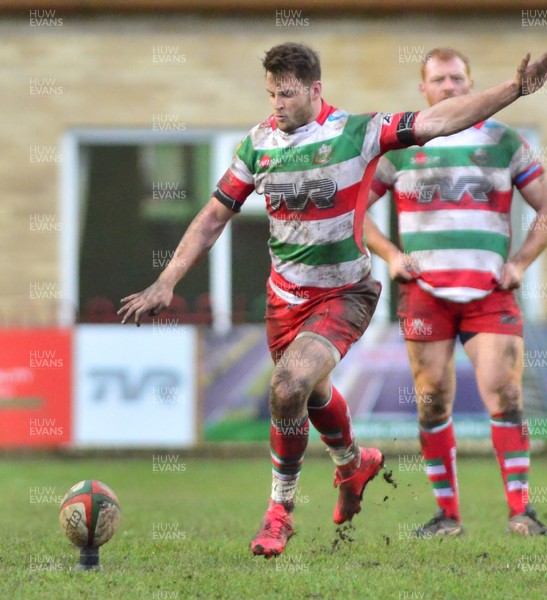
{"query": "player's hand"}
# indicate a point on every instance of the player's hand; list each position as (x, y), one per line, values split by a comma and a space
(531, 77)
(150, 301)
(511, 276)
(403, 268)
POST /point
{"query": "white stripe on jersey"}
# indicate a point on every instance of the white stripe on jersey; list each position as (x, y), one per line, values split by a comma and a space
(240, 170)
(454, 220)
(326, 231)
(469, 259)
(311, 133)
(323, 276)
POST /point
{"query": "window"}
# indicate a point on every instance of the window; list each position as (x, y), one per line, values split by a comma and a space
(127, 197)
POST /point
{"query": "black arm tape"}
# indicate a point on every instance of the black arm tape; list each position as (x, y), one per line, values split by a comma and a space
(227, 201)
(405, 135)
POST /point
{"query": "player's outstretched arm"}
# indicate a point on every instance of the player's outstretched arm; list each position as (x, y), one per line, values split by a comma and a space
(400, 265)
(535, 194)
(455, 114)
(199, 238)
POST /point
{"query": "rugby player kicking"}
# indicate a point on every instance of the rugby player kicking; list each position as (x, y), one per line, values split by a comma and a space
(310, 160)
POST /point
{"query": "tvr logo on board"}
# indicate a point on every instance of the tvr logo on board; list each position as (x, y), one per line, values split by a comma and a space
(119, 384)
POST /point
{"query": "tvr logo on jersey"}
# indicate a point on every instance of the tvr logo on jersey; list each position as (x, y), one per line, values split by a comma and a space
(476, 186)
(319, 191)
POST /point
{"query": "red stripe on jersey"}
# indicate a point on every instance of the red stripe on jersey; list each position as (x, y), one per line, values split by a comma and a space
(344, 201)
(234, 188)
(481, 280)
(499, 202)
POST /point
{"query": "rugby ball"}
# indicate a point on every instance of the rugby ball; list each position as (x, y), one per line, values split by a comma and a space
(90, 513)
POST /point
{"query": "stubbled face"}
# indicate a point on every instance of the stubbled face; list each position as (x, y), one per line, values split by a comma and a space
(294, 102)
(445, 79)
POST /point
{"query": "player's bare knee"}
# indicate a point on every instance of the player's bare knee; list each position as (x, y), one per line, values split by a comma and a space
(430, 391)
(433, 382)
(433, 408)
(510, 399)
(288, 394)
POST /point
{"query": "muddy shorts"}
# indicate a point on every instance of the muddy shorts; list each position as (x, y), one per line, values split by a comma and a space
(340, 316)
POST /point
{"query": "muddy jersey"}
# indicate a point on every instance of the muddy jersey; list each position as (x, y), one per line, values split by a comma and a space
(311, 179)
(453, 199)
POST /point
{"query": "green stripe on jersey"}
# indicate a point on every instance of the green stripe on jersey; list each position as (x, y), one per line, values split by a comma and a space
(456, 240)
(316, 255)
(517, 477)
(510, 141)
(453, 156)
(345, 146)
(245, 152)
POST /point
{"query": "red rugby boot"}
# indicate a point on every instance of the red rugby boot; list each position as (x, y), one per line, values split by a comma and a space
(352, 488)
(275, 530)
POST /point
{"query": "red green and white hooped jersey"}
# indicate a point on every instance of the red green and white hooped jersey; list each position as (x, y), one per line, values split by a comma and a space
(453, 199)
(311, 179)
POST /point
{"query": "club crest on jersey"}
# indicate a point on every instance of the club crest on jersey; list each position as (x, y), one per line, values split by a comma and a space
(323, 155)
(480, 157)
(320, 191)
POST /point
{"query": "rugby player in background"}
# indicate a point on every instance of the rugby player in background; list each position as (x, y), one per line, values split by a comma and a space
(453, 198)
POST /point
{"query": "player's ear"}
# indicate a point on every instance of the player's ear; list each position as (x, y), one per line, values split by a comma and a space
(421, 87)
(316, 88)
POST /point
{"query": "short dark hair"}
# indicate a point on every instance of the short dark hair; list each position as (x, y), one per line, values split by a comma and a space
(297, 59)
(446, 54)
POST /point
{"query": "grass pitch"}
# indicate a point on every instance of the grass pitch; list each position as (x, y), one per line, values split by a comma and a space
(186, 529)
